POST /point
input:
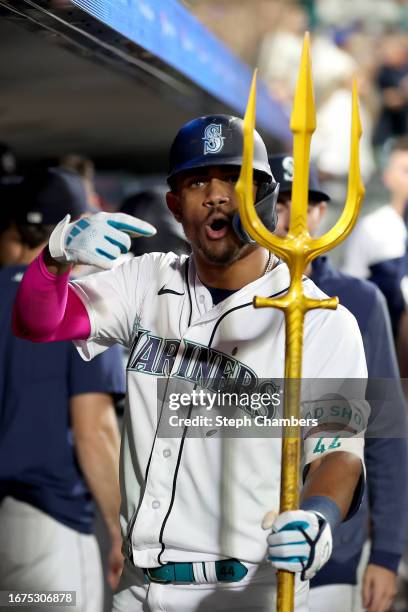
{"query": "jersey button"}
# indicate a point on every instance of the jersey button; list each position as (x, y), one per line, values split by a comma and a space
(155, 504)
(166, 453)
(202, 299)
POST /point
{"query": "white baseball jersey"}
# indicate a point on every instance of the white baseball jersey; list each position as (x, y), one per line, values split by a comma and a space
(203, 499)
(378, 237)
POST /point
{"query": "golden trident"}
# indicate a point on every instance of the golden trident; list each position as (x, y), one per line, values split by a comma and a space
(297, 249)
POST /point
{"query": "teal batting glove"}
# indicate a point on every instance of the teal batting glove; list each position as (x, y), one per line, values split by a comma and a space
(97, 240)
(300, 542)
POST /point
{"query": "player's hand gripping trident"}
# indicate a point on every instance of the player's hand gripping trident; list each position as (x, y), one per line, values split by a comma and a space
(297, 249)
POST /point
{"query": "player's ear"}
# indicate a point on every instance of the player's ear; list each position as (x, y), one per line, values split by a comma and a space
(173, 203)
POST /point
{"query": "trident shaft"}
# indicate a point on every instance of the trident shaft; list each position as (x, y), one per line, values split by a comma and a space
(297, 249)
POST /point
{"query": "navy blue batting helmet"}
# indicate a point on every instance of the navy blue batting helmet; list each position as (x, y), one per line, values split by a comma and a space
(282, 167)
(214, 140)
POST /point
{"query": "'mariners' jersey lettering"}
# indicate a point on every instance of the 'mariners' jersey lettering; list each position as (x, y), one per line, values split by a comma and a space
(186, 358)
(166, 358)
(204, 364)
(143, 358)
(208, 367)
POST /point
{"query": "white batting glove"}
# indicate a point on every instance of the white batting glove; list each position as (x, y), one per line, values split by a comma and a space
(96, 240)
(301, 541)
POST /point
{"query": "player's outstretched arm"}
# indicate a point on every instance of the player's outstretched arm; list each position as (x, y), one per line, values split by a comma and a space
(301, 540)
(46, 309)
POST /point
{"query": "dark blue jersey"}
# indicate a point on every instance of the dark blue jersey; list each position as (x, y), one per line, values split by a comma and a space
(388, 276)
(386, 458)
(37, 455)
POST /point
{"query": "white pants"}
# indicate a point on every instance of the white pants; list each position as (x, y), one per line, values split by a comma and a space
(37, 553)
(333, 597)
(255, 593)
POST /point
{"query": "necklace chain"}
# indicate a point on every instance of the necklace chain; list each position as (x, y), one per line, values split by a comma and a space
(269, 264)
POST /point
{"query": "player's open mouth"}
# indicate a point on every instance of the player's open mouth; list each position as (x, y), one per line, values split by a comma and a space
(218, 228)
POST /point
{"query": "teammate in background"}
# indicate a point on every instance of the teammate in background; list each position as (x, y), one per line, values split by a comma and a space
(386, 503)
(86, 170)
(376, 249)
(199, 514)
(151, 206)
(59, 441)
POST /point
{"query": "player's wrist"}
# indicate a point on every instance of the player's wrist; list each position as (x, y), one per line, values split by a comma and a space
(324, 507)
(113, 528)
(53, 266)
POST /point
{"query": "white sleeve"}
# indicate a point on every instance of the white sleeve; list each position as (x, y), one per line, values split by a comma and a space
(370, 243)
(112, 300)
(333, 391)
(357, 253)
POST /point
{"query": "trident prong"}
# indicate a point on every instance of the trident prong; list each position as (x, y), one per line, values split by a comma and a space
(298, 248)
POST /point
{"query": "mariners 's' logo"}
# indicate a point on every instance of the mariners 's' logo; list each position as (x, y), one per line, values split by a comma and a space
(287, 165)
(213, 138)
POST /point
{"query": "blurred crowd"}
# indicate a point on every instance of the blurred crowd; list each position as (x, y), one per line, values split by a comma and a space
(366, 40)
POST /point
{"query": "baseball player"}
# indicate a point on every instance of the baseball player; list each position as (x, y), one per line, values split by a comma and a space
(199, 514)
(377, 248)
(386, 456)
(59, 441)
